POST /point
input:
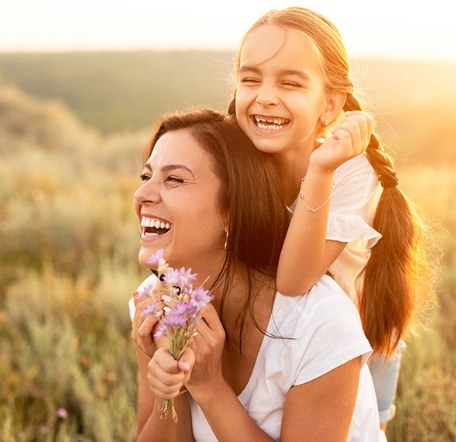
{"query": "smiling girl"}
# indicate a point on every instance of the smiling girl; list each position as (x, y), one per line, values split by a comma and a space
(294, 98)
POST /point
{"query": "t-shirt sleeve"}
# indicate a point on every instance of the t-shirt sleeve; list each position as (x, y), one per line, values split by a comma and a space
(337, 337)
(353, 203)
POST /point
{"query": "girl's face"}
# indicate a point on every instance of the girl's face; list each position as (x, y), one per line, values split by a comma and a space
(280, 96)
(177, 205)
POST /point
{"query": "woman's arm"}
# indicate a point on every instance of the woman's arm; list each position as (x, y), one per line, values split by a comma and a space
(322, 409)
(306, 254)
(226, 416)
(150, 425)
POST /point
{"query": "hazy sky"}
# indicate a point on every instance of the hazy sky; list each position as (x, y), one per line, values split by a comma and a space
(386, 28)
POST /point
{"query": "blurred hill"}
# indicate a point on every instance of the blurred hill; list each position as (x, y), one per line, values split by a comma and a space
(113, 92)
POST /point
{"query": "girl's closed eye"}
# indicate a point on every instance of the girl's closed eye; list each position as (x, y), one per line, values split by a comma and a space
(250, 80)
(289, 83)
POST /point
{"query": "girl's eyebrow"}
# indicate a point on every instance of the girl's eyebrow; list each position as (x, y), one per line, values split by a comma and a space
(170, 167)
(298, 73)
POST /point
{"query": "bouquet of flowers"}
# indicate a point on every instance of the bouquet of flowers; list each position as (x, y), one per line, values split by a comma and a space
(183, 310)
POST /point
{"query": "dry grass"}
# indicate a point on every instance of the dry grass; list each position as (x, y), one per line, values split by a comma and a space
(68, 258)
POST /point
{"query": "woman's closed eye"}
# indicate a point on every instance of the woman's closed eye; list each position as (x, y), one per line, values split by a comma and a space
(144, 177)
(174, 179)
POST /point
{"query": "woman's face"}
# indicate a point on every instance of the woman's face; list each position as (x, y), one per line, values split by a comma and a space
(177, 205)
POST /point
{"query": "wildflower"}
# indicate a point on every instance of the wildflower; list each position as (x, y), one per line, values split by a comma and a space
(183, 310)
(150, 309)
(156, 256)
(61, 413)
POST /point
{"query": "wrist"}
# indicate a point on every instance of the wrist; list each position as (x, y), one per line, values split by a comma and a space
(206, 393)
(316, 171)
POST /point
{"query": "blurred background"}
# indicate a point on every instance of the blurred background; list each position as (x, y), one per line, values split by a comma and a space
(81, 84)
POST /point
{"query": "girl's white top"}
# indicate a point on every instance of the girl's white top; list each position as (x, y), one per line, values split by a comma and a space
(351, 213)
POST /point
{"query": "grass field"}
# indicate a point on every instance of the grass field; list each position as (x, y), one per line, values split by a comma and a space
(68, 245)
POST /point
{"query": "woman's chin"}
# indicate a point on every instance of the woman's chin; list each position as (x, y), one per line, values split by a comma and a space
(144, 257)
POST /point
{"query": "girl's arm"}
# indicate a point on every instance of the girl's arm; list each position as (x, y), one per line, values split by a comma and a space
(306, 254)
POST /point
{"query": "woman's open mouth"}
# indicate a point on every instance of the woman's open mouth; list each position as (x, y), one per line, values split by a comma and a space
(154, 227)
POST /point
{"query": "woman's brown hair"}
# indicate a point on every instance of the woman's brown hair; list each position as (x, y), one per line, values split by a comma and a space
(250, 197)
(397, 270)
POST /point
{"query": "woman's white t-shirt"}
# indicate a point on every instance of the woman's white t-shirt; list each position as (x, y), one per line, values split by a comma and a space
(324, 331)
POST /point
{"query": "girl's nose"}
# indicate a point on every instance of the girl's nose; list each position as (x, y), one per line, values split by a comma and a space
(267, 96)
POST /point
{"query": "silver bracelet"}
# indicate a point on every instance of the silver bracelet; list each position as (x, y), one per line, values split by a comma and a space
(310, 209)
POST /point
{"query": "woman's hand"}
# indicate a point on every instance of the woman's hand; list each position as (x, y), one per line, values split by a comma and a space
(147, 315)
(208, 348)
(200, 366)
(350, 137)
(166, 376)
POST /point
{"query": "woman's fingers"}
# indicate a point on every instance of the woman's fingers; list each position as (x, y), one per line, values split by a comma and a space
(164, 375)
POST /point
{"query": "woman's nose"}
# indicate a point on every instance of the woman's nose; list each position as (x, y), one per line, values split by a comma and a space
(147, 193)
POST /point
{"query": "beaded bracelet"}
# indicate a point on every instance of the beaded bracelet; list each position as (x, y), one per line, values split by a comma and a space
(310, 209)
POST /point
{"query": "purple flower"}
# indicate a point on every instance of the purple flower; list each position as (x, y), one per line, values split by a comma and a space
(156, 257)
(61, 413)
(145, 290)
(150, 309)
(199, 297)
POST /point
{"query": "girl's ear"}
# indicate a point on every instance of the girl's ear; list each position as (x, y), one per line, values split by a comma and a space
(334, 105)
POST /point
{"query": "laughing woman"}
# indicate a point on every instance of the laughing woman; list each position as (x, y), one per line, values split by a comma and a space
(263, 366)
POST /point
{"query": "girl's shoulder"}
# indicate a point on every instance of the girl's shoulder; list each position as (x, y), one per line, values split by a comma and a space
(358, 168)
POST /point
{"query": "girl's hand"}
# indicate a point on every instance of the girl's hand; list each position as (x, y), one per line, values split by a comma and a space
(144, 322)
(166, 376)
(208, 348)
(350, 137)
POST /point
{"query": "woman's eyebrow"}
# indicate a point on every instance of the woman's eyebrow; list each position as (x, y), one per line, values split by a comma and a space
(170, 167)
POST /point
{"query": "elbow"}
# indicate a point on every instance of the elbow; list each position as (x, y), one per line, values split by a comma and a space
(292, 287)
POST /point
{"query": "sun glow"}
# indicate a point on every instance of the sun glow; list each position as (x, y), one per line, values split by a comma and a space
(387, 29)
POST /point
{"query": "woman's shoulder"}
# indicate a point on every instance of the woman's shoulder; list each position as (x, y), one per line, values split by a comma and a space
(325, 302)
(320, 331)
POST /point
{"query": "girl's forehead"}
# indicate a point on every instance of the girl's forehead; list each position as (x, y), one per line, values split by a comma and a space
(270, 40)
(263, 43)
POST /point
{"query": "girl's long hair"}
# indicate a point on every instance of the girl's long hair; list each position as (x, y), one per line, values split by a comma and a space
(397, 273)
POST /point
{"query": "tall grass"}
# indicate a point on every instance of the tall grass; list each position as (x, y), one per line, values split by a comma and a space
(68, 245)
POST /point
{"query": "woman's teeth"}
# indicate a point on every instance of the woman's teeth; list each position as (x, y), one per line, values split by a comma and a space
(154, 227)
